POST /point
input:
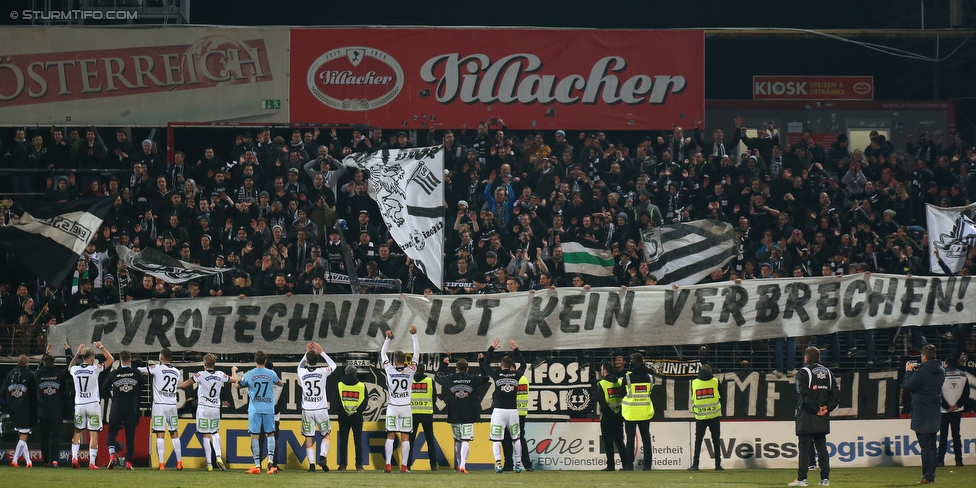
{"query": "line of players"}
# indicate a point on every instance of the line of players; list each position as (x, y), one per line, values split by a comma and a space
(125, 385)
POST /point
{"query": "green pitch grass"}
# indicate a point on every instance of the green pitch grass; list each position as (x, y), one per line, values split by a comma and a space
(848, 478)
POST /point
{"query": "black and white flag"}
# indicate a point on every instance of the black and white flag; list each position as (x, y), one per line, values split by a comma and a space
(687, 252)
(408, 186)
(49, 240)
(159, 265)
(952, 231)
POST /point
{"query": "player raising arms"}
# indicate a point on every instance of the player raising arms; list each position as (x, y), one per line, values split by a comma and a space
(260, 383)
(463, 404)
(210, 383)
(504, 414)
(399, 416)
(165, 379)
(315, 404)
(88, 410)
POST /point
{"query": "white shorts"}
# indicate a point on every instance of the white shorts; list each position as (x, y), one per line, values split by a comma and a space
(164, 418)
(399, 418)
(502, 419)
(208, 420)
(463, 432)
(315, 419)
(88, 416)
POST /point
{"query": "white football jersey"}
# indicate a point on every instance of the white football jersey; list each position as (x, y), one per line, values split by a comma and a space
(399, 384)
(86, 383)
(313, 387)
(209, 386)
(165, 380)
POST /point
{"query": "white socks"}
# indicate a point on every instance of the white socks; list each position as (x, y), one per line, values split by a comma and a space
(206, 451)
(160, 450)
(74, 451)
(389, 451)
(324, 448)
(496, 449)
(178, 449)
(22, 450)
(464, 453)
(215, 439)
(404, 452)
(92, 455)
(310, 454)
(517, 447)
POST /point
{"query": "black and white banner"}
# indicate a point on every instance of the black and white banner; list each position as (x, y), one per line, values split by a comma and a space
(687, 252)
(952, 232)
(49, 240)
(408, 186)
(341, 279)
(159, 265)
(564, 318)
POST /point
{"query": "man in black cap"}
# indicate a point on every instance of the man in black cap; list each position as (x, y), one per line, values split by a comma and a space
(81, 301)
(403, 142)
(240, 287)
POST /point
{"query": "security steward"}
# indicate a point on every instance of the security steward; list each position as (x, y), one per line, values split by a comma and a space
(610, 394)
(707, 408)
(422, 407)
(637, 409)
(352, 397)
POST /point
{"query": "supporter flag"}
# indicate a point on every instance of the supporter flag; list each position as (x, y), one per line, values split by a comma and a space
(589, 259)
(408, 186)
(48, 240)
(687, 252)
(952, 232)
(159, 265)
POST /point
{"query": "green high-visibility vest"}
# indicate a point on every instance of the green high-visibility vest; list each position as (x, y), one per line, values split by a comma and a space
(352, 396)
(705, 398)
(422, 396)
(636, 405)
(522, 397)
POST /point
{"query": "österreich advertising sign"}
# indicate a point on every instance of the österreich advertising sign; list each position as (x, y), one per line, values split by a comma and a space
(120, 76)
(545, 79)
(813, 87)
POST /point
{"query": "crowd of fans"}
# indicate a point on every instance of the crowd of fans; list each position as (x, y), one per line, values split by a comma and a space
(265, 208)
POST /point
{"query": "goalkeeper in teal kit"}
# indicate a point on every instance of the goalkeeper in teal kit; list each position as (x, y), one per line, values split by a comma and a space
(260, 383)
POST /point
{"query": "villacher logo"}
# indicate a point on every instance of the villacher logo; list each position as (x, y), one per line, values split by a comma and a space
(355, 78)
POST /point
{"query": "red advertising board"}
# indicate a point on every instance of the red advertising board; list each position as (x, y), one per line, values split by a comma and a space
(531, 78)
(813, 87)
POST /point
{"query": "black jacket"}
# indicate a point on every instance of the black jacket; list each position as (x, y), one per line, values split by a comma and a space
(925, 385)
(52, 392)
(461, 392)
(349, 380)
(815, 388)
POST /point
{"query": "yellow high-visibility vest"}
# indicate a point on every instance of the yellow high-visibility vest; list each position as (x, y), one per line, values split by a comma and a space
(422, 396)
(352, 396)
(636, 405)
(522, 396)
(613, 394)
(705, 397)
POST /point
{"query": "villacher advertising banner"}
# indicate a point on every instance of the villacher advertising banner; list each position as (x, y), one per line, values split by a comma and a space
(530, 78)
